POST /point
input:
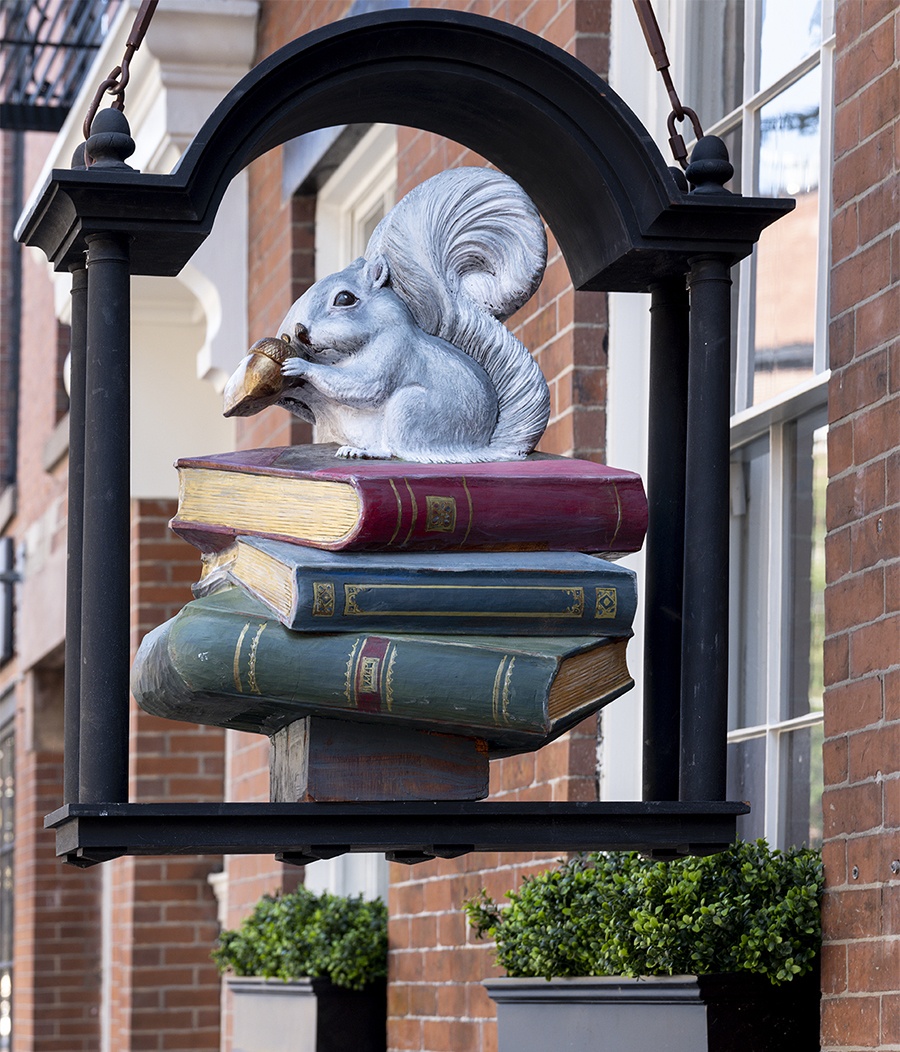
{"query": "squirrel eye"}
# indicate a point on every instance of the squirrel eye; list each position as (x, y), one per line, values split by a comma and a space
(345, 299)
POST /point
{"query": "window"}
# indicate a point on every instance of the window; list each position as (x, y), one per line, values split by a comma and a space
(349, 207)
(758, 73)
(768, 96)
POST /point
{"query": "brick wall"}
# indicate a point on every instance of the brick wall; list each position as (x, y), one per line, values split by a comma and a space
(56, 976)
(164, 988)
(861, 965)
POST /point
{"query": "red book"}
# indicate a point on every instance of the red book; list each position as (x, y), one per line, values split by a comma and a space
(304, 494)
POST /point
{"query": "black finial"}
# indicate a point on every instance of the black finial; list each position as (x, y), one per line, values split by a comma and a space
(78, 161)
(678, 176)
(110, 142)
(710, 168)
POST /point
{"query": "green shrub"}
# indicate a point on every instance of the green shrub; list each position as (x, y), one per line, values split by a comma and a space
(746, 909)
(305, 935)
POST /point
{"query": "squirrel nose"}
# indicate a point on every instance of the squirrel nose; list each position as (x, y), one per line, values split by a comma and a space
(301, 333)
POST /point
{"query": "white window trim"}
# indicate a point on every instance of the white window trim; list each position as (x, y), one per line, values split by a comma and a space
(367, 174)
(640, 86)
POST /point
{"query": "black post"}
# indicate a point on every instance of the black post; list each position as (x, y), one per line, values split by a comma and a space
(664, 577)
(75, 524)
(704, 673)
(105, 578)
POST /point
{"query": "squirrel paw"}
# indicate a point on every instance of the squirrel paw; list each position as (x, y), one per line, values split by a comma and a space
(293, 367)
(355, 453)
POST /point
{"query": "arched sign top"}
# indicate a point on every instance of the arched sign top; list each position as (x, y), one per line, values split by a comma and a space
(537, 113)
(531, 109)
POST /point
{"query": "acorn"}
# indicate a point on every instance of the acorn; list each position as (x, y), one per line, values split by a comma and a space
(257, 381)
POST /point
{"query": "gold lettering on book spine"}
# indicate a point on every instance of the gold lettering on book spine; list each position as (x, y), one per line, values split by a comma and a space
(236, 665)
(607, 603)
(323, 599)
(348, 680)
(369, 674)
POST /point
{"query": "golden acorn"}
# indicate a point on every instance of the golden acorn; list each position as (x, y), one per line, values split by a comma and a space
(257, 381)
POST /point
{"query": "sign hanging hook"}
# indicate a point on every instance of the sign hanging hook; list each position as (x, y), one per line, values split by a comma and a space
(117, 80)
(657, 46)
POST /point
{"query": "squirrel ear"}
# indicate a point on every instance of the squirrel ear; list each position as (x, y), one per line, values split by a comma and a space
(377, 271)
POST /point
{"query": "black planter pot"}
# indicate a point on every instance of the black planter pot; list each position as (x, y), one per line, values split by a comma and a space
(307, 1015)
(682, 1013)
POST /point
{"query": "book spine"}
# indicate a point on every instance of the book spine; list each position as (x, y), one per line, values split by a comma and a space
(606, 516)
(520, 604)
(245, 671)
(471, 512)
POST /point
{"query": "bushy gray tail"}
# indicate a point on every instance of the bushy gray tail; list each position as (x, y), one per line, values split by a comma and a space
(465, 250)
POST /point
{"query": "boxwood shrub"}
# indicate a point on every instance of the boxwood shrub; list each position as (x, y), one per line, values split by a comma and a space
(301, 934)
(749, 908)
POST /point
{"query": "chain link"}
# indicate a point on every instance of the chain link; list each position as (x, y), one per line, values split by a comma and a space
(679, 113)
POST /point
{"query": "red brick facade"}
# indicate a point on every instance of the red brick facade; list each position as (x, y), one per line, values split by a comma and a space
(861, 963)
(135, 934)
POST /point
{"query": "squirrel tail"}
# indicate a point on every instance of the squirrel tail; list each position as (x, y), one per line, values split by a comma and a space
(465, 250)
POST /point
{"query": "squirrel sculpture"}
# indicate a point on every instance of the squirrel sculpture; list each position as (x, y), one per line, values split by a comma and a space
(403, 353)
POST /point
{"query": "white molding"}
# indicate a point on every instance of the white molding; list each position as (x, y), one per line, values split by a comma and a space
(368, 174)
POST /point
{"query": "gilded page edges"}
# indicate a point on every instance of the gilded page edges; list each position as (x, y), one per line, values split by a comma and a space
(319, 509)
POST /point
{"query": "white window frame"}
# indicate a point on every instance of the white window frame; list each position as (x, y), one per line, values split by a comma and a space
(639, 84)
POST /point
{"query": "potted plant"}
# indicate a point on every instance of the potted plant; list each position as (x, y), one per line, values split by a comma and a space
(308, 974)
(618, 952)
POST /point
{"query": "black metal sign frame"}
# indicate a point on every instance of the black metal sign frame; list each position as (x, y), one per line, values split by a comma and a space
(623, 222)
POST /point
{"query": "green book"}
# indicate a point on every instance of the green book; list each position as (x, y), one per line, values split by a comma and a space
(225, 660)
(501, 593)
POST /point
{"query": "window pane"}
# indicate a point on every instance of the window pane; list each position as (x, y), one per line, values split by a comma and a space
(789, 31)
(807, 566)
(786, 257)
(749, 584)
(747, 781)
(714, 73)
(801, 799)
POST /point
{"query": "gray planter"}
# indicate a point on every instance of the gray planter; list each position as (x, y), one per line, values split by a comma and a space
(682, 1013)
(306, 1015)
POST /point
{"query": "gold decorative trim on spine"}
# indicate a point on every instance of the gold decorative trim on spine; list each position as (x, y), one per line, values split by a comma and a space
(399, 512)
(236, 667)
(348, 681)
(619, 514)
(495, 694)
(462, 543)
(607, 603)
(389, 677)
(415, 513)
(506, 683)
(251, 671)
(323, 599)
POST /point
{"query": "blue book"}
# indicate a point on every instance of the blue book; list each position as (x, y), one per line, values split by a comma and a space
(470, 593)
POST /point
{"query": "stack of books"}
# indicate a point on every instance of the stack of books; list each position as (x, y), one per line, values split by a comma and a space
(460, 600)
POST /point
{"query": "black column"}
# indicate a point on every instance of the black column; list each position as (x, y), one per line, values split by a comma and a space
(704, 674)
(664, 548)
(75, 526)
(105, 579)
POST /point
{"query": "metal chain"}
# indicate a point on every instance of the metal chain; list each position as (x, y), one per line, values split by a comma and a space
(117, 80)
(657, 47)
